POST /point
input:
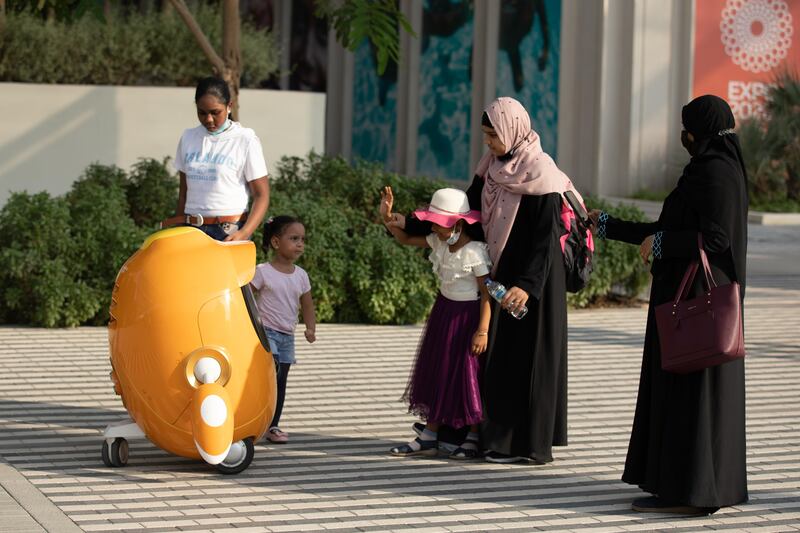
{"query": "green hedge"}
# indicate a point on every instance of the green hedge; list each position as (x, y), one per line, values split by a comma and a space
(771, 148)
(359, 274)
(150, 48)
(61, 255)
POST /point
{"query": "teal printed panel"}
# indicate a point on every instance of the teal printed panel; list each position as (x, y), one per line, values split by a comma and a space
(445, 91)
(528, 62)
(374, 136)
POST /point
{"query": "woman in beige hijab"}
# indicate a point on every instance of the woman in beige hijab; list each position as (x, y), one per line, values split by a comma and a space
(524, 217)
(525, 220)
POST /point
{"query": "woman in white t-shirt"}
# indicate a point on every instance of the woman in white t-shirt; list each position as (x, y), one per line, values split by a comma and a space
(221, 165)
(282, 289)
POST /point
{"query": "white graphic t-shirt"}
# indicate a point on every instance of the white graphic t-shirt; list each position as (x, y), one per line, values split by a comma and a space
(218, 167)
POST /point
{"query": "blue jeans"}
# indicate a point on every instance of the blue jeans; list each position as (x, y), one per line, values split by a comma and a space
(281, 345)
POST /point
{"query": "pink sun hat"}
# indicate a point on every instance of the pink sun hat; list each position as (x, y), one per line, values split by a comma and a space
(447, 207)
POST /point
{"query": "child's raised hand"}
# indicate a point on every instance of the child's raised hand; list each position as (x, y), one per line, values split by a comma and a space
(387, 201)
(479, 342)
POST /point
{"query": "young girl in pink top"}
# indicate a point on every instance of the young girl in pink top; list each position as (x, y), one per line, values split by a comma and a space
(282, 289)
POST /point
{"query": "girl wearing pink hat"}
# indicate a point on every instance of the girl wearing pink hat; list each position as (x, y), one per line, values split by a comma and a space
(444, 385)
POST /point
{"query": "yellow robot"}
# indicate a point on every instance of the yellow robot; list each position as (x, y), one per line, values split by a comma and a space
(188, 352)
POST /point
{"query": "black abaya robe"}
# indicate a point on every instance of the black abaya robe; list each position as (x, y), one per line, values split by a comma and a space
(688, 440)
(525, 378)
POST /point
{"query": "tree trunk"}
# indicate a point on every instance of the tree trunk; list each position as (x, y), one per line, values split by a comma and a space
(107, 11)
(793, 183)
(231, 51)
(2, 14)
(227, 67)
(217, 64)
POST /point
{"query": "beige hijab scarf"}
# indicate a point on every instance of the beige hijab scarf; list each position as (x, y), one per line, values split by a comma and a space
(529, 170)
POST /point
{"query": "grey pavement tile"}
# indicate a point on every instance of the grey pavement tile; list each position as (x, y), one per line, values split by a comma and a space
(343, 412)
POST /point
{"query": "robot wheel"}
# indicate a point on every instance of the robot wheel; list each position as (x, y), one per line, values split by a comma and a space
(239, 457)
(115, 454)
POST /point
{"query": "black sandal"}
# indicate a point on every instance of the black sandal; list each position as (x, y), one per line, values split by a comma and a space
(466, 453)
(427, 447)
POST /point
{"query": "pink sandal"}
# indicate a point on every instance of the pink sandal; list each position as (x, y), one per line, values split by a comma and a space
(276, 436)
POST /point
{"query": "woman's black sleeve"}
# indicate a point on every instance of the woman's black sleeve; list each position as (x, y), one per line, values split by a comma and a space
(474, 193)
(545, 223)
(630, 232)
(415, 226)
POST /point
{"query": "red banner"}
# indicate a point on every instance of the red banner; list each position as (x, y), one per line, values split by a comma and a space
(741, 45)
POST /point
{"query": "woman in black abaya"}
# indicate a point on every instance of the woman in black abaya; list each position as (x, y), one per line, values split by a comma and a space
(687, 445)
(518, 188)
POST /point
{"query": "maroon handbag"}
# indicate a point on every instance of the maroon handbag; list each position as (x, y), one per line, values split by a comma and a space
(702, 332)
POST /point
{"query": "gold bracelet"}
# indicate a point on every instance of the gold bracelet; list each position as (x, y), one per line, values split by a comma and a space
(481, 333)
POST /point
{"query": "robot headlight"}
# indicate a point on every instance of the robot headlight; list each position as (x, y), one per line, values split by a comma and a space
(208, 364)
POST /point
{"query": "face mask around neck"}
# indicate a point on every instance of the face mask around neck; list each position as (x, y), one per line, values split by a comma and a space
(453, 238)
(222, 129)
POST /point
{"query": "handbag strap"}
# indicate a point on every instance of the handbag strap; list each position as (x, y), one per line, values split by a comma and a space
(691, 271)
(710, 283)
(686, 283)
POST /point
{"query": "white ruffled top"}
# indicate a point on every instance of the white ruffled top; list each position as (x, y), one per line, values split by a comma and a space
(457, 270)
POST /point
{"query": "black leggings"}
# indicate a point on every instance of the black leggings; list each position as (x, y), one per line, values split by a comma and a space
(283, 372)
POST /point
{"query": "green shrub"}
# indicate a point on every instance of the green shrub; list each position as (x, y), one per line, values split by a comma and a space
(37, 265)
(392, 284)
(771, 148)
(150, 48)
(359, 274)
(618, 269)
(152, 192)
(102, 229)
(63, 254)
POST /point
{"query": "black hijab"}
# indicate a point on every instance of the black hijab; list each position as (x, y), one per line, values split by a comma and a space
(710, 121)
(715, 180)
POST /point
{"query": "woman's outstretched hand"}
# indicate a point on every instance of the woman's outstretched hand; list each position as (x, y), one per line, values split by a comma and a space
(392, 220)
(387, 201)
(646, 249)
(594, 217)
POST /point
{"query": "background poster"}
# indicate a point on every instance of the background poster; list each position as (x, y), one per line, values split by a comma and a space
(528, 60)
(445, 90)
(740, 45)
(374, 135)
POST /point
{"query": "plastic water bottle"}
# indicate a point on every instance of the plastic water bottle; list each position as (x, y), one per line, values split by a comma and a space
(497, 290)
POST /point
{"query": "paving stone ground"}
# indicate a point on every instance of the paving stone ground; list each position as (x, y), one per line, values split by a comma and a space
(343, 414)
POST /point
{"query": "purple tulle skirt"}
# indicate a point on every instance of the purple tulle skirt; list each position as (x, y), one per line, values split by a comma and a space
(444, 386)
